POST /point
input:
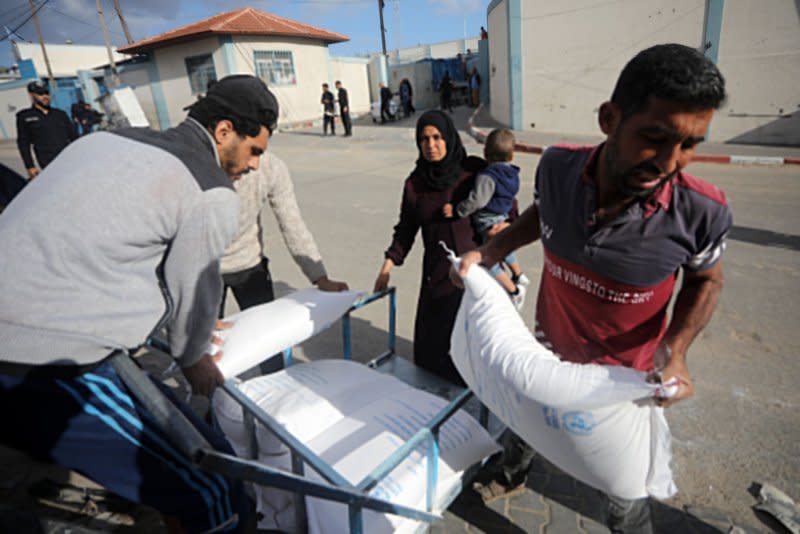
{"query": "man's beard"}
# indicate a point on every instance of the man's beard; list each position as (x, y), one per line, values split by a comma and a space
(622, 179)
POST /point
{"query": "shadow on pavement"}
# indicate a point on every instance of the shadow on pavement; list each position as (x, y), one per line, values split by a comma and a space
(555, 502)
(766, 238)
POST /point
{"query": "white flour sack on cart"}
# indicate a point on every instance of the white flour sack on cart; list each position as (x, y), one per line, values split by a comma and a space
(354, 418)
(264, 330)
(595, 422)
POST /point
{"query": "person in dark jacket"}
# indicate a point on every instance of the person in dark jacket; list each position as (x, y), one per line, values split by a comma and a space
(446, 93)
(327, 102)
(344, 109)
(47, 129)
(406, 96)
(443, 174)
(386, 99)
(11, 184)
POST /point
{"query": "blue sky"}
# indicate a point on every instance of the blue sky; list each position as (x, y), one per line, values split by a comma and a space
(408, 22)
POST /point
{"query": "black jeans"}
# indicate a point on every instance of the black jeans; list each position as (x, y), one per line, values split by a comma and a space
(252, 287)
(326, 121)
(347, 123)
(385, 111)
(624, 516)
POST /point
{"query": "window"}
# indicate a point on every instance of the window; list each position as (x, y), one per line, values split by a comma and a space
(201, 71)
(275, 67)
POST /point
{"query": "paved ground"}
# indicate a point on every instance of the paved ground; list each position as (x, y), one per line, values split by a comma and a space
(741, 427)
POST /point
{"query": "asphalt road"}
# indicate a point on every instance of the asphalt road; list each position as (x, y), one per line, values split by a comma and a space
(740, 428)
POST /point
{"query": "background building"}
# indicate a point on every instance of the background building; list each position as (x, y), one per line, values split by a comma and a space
(66, 61)
(291, 57)
(552, 64)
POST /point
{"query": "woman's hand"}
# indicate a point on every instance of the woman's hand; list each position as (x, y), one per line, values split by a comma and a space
(447, 210)
(382, 281)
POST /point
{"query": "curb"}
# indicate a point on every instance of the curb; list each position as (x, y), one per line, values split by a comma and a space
(480, 136)
(299, 125)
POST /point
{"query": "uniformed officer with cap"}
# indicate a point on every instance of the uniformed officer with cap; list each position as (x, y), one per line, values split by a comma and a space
(48, 129)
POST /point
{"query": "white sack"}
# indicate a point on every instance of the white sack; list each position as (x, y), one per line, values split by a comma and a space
(596, 422)
(264, 330)
(353, 417)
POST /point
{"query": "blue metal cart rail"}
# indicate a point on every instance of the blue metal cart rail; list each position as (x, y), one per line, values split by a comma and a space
(335, 487)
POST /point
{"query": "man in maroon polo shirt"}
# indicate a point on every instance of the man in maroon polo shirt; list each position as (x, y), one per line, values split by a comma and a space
(617, 222)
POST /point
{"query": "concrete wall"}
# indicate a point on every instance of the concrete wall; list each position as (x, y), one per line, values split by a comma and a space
(575, 49)
(420, 75)
(352, 72)
(138, 79)
(445, 49)
(760, 59)
(171, 69)
(13, 98)
(65, 59)
(500, 107)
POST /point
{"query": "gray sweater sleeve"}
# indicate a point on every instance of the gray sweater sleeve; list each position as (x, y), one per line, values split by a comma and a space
(478, 198)
(192, 275)
(296, 235)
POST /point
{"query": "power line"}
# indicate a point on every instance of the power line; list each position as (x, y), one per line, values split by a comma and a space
(14, 30)
(96, 26)
(21, 9)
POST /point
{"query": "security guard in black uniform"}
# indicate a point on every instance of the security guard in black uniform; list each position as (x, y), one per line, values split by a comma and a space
(48, 129)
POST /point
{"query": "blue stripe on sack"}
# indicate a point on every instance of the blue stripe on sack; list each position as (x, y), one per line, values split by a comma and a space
(220, 493)
(114, 425)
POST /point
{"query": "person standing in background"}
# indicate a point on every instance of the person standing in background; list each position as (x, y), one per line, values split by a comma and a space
(446, 93)
(48, 130)
(475, 87)
(328, 109)
(344, 109)
(386, 100)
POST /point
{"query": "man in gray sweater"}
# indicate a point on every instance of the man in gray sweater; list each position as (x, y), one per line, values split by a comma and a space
(245, 266)
(120, 236)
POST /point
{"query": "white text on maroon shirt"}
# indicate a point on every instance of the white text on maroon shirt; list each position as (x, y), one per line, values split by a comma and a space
(594, 288)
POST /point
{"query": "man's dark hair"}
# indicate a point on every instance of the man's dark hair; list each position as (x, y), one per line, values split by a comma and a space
(671, 72)
(499, 145)
(337, 83)
(208, 113)
(324, 85)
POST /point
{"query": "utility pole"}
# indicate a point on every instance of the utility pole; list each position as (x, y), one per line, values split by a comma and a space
(41, 42)
(107, 39)
(383, 29)
(122, 20)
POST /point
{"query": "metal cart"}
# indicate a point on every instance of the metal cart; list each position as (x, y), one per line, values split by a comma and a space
(335, 487)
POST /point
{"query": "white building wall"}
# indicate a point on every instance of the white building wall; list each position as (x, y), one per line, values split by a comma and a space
(499, 106)
(14, 98)
(353, 75)
(299, 102)
(442, 50)
(574, 51)
(65, 59)
(138, 79)
(174, 77)
(760, 59)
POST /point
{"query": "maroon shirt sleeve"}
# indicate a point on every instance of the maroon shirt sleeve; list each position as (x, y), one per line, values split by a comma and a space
(406, 228)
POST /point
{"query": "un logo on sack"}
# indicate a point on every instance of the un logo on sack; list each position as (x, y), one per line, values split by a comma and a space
(578, 423)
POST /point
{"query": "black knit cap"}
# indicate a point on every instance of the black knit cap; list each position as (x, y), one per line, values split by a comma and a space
(38, 87)
(245, 97)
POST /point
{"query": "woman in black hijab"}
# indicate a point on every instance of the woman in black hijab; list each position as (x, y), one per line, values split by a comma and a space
(443, 174)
